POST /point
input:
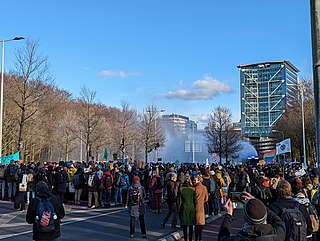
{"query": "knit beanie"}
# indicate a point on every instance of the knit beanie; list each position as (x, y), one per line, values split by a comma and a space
(254, 211)
(135, 179)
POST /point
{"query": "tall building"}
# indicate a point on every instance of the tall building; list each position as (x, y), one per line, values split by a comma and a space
(184, 142)
(179, 123)
(264, 91)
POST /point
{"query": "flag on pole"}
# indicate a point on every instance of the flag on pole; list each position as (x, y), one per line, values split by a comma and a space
(283, 147)
(270, 156)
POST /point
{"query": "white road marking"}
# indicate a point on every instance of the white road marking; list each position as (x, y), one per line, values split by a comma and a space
(63, 222)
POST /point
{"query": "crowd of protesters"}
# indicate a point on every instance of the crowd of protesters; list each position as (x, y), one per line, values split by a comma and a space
(192, 192)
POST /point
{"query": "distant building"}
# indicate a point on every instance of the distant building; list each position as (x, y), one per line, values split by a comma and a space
(264, 96)
(184, 143)
(179, 123)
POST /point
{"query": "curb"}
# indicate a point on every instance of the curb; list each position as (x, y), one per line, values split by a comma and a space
(175, 236)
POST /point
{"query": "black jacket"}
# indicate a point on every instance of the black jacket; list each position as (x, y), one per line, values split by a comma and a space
(274, 226)
(206, 182)
(43, 192)
(172, 191)
(291, 203)
(257, 193)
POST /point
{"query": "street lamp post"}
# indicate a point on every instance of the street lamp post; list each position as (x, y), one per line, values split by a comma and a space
(315, 27)
(155, 140)
(193, 152)
(1, 91)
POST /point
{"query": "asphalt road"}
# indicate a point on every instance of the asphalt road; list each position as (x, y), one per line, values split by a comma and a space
(211, 230)
(101, 224)
(83, 224)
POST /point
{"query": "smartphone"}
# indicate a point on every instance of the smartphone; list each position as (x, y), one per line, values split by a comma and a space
(236, 199)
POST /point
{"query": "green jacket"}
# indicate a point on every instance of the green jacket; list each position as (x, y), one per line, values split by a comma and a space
(187, 202)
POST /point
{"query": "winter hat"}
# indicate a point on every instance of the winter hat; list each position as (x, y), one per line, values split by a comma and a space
(135, 179)
(254, 211)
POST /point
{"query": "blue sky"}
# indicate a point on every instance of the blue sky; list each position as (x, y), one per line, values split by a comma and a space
(180, 55)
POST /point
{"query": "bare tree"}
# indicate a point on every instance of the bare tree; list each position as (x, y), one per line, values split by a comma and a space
(221, 138)
(291, 122)
(30, 78)
(125, 129)
(151, 134)
(89, 120)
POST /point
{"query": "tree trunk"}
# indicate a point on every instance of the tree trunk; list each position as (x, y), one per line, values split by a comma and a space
(21, 135)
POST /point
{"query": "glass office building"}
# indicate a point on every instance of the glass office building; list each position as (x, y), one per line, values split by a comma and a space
(264, 92)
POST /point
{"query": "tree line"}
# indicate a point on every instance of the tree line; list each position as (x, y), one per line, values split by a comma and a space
(46, 123)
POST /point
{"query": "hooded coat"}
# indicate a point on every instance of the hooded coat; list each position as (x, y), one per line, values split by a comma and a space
(42, 191)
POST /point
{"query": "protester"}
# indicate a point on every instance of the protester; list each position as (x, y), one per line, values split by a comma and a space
(136, 206)
(2, 182)
(93, 187)
(205, 180)
(11, 179)
(202, 198)
(302, 225)
(40, 225)
(187, 201)
(172, 193)
(156, 186)
(22, 180)
(117, 187)
(125, 184)
(261, 192)
(31, 184)
(106, 188)
(259, 221)
(79, 184)
(244, 180)
(60, 182)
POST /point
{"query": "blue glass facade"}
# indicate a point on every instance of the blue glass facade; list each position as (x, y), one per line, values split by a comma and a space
(263, 89)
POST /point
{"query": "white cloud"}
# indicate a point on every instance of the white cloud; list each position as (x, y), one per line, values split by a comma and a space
(204, 89)
(204, 118)
(117, 74)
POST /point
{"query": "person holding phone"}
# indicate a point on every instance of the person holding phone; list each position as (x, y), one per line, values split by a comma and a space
(259, 221)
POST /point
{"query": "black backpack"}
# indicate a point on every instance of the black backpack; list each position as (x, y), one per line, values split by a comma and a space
(296, 227)
(45, 216)
(61, 177)
(107, 181)
(135, 196)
